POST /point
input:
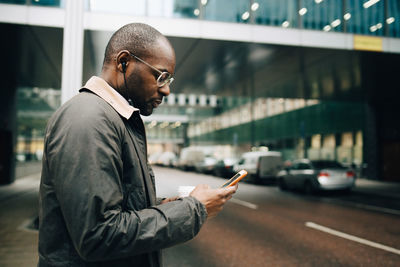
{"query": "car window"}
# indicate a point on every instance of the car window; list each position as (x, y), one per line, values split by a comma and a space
(295, 166)
(241, 161)
(322, 164)
(304, 166)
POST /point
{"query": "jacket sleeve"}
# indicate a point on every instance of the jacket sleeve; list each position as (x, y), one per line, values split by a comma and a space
(84, 158)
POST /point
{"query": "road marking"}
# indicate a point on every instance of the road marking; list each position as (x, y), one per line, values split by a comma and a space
(244, 203)
(351, 237)
(370, 207)
(361, 206)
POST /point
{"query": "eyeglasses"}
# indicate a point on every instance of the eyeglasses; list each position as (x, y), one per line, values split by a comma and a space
(164, 77)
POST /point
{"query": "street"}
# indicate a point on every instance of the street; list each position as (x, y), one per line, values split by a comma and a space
(260, 226)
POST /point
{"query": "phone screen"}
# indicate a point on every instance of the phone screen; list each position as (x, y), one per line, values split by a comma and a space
(235, 179)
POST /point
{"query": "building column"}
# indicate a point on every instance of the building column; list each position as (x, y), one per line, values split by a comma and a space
(370, 144)
(72, 60)
(8, 101)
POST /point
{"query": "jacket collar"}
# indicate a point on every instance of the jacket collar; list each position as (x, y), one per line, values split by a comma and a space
(101, 88)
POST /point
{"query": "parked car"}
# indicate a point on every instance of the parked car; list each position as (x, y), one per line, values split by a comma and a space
(206, 165)
(189, 157)
(224, 167)
(313, 175)
(167, 159)
(154, 157)
(262, 166)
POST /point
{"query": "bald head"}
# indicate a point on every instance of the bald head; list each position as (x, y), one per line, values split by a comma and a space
(137, 38)
(136, 60)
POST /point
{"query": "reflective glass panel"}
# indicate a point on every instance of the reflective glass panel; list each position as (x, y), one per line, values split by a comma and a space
(19, 2)
(393, 18)
(275, 12)
(34, 107)
(51, 3)
(226, 10)
(54, 3)
(185, 8)
(364, 17)
(321, 15)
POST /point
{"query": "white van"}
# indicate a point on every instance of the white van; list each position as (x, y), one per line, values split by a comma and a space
(189, 157)
(262, 166)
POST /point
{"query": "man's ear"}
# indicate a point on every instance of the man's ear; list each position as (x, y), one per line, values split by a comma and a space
(122, 59)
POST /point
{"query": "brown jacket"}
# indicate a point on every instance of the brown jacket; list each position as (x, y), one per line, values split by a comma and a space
(97, 193)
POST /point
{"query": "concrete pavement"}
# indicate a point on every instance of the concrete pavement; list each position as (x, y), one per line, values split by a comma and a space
(18, 208)
(378, 188)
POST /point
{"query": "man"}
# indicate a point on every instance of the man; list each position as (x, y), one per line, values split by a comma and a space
(97, 195)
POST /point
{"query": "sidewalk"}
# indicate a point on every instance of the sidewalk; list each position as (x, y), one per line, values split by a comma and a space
(377, 188)
(18, 208)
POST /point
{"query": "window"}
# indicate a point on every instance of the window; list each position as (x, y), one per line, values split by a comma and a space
(304, 166)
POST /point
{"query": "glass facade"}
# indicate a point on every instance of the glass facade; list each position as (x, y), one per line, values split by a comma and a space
(321, 15)
(52, 3)
(183, 8)
(296, 127)
(34, 108)
(281, 13)
(370, 20)
(392, 20)
(226, 10)
(372, 17)
(366, 17)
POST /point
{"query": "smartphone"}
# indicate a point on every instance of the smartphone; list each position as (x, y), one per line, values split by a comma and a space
(235, 179)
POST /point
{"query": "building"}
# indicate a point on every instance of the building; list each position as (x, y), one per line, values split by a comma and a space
(311, 78)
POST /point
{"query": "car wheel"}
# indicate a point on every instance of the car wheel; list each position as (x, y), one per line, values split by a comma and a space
(255, 178)
(218, 173)
(347, 190)
(308, 188)
(282, 185)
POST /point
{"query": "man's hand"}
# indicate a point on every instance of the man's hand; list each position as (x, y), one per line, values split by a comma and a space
(213, 199)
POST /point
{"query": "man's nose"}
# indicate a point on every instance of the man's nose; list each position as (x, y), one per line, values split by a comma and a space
(165, 90)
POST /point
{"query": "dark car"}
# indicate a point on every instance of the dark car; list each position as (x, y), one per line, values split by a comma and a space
(224, 167)
(314, 175)
(206, 165)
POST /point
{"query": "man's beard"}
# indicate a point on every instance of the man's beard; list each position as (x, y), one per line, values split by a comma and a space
(132, 83)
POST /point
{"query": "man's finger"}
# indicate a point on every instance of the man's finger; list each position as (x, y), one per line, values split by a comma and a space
(231, 189)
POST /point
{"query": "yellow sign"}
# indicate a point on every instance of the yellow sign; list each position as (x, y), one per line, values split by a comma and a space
(368, 43)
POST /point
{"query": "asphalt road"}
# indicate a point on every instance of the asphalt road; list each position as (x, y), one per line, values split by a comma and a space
(262, 226)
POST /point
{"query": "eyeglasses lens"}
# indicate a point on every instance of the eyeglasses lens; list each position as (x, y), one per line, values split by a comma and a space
(164, 78)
